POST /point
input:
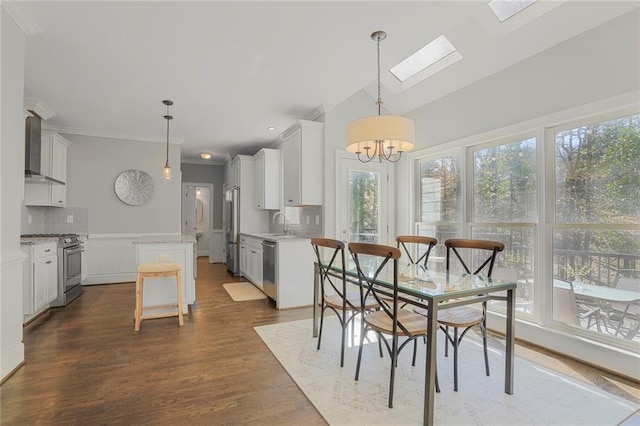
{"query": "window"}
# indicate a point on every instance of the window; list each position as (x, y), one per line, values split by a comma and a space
(505, 209)
(596, 237)
(440, 205)
(566, 204)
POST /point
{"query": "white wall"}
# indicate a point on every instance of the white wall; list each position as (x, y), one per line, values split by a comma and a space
(94, 163)
(336, 120)
(11, 189)
(598, 64)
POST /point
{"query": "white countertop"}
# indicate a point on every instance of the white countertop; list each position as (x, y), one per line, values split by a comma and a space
(276, 237)
(166, 239)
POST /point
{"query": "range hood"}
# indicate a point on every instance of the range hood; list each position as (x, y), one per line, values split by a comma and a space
(33, 153)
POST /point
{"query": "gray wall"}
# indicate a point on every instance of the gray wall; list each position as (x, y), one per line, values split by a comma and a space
(204, 173)
(94, 163)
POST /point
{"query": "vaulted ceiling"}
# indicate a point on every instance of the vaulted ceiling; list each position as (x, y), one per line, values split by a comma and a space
(234, 69)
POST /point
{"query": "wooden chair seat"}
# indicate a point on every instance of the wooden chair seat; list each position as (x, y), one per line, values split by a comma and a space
(380, 321)
(460, 316)
(335, 301)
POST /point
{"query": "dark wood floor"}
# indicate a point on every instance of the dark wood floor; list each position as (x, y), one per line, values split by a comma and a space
(85, 365)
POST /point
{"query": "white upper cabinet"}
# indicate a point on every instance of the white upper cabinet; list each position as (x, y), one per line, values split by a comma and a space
(234, 180)
(267, 186)
(302, 164)
(54, 165)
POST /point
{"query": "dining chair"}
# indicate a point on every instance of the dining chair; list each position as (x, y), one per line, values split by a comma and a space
(418, 243)
(389, 320)
(334, 294)
(465, 317)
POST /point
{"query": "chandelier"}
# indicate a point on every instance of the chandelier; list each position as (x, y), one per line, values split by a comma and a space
(384, 137)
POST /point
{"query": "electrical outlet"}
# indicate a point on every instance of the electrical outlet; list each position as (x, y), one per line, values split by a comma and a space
(307, 220)
(317, 219)
(29, 218)
(70, 218)
(163, 257)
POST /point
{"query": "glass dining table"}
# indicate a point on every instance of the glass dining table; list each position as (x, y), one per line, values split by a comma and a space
(421, 287)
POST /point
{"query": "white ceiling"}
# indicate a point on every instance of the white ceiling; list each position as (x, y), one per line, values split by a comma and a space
(235, 68)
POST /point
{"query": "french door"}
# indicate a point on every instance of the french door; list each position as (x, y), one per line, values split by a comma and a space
(362, 203)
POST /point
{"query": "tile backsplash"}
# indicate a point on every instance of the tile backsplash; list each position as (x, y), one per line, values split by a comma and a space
(54, 220)
(304, 222)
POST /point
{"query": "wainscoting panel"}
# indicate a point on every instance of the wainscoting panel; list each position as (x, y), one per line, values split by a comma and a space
(111, 258)
(11, 346)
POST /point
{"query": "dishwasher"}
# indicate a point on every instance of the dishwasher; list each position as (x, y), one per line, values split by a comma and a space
(269, 261)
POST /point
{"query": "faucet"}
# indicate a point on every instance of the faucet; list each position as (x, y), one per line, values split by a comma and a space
(284, 222)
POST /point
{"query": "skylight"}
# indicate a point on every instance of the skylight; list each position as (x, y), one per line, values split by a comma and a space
(427, 56)
(505, 9)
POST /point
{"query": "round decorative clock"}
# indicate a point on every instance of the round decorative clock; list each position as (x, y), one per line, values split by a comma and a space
(134, 187)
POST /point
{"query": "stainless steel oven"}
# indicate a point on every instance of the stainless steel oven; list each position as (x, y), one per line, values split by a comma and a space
(69, 269)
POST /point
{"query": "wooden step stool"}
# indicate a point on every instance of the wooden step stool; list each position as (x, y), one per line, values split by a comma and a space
(157, 270)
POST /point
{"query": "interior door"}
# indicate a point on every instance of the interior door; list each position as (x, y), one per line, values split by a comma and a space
(363, 204)
(189, 210)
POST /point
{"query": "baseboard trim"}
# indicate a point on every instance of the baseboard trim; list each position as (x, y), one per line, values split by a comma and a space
(110, 278)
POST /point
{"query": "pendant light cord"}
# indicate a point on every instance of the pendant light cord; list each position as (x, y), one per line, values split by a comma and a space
(379, 103)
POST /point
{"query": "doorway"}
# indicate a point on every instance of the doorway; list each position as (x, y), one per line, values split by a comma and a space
(363, 201)
(197, 215)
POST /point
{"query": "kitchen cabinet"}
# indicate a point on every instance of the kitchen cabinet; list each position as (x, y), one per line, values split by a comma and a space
(235, 171)
(267, 179)
(250, 219)
(40, 277)
(303, 167)
(294, 273)
(54, 165)
(251, 259)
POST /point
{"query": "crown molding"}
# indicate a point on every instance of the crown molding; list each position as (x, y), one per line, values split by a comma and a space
(22, 19)
(39, 108)
(84, 132)
(318, 112)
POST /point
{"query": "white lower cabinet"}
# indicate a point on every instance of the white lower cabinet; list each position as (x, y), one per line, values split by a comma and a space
(40, 277)
(294, 273)
(251, 259)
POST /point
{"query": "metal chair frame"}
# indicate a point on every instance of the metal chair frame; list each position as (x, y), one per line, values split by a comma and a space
(453, 245)
(349, 309)
(368, 288)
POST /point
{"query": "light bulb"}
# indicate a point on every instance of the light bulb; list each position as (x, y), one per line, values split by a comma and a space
(166, 173)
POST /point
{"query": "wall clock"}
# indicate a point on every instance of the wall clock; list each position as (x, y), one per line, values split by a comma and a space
(134, 187)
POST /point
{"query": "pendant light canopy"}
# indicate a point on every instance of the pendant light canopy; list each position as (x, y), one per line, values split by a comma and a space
(384, 137)
(166, 171)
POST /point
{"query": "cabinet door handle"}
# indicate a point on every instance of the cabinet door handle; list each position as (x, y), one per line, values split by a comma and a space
(48, 262)
(253, 252)
(291, 201)
(47, 250)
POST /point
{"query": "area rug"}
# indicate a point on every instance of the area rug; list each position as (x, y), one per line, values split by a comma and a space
(541, 396)
(242, 291)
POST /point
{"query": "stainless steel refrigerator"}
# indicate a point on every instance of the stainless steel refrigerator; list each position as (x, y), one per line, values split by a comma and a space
(232, 230)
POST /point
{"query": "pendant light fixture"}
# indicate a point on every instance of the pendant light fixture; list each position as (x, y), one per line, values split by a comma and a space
(384, 137)
(166, 171)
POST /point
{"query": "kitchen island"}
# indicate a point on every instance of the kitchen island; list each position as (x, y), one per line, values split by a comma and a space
(168, 248)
